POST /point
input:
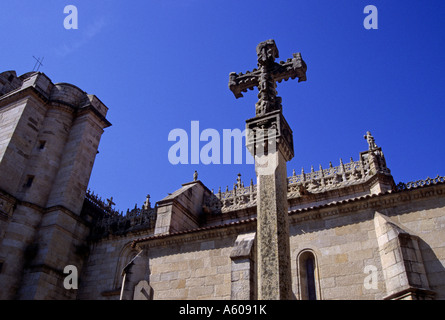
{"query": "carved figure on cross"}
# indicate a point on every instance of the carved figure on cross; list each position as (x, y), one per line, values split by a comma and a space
(371, 141)
(265, 77)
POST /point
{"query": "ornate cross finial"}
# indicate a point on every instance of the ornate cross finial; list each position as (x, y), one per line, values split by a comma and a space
(110, 202)
(371, 141)
(266, 76)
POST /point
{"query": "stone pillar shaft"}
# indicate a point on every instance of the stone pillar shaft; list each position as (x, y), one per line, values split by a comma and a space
(274, 273)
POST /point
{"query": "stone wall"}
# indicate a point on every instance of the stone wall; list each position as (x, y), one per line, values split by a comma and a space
(192, 270)
(179, 269)
(343, 246)
(423, 215)
(101, 278)
(346, 239)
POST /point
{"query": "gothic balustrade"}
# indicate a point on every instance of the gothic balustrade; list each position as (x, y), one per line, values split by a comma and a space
(353, 172)
(110, 221)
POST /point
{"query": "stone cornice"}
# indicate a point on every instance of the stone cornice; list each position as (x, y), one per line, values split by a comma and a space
(80, 104)
(91, 109)
(218, 231)
(57, 104)
(21, 93)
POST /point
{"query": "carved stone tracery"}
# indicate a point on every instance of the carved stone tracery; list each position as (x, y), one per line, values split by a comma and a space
(108, 221)
(322, 180)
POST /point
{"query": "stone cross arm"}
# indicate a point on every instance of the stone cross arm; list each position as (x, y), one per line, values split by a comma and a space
(292, 68)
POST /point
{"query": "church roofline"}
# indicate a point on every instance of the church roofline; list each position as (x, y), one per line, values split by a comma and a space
(400, 189)
(369, 169)
(195, 230)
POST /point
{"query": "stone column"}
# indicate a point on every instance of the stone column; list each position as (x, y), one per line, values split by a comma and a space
(270, 141)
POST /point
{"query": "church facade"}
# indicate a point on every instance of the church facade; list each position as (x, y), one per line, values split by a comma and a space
(353, 232)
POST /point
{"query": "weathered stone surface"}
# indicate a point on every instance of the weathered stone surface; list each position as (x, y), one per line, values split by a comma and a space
(274, 275)
(243, 273)
(48, 142)
(182, 209)
(243, 246)
(142, 291)
(402, 262)
(265, 78)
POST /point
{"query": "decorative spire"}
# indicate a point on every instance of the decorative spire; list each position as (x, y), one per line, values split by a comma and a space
(321, 171)
(147, 204)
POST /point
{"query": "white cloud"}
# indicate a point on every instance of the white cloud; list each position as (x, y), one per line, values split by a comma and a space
(87, 34)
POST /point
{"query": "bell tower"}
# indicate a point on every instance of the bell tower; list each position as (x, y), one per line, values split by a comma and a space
(49, 137)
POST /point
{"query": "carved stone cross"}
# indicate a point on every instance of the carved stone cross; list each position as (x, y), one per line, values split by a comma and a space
(266, 76)
(269, 139)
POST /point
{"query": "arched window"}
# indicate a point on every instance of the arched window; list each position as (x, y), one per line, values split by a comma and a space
(125, 256)
(307, 275)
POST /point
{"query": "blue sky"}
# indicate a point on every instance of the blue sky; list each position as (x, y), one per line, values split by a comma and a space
(158, 65)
